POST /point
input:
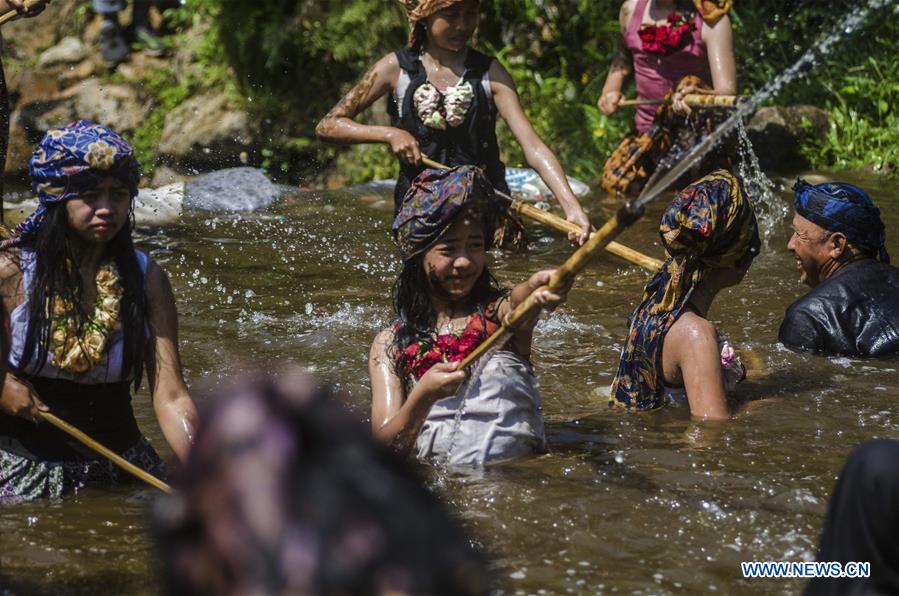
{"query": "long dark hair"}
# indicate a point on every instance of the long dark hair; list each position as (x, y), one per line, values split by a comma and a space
(416, 317)
(56, 275)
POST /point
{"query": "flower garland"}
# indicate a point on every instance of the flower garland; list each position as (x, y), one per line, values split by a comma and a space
(437, 110)
(80, 354)
(419, 357)
(734, 371)
(667, 39)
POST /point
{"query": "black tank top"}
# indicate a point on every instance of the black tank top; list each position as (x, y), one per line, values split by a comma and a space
(102, 411)
(471, 143)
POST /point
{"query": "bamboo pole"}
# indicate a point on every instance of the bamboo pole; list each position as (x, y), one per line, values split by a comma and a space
(105, 452)
(626, 215)
(14, 13)
(563, 225)
(697, 100)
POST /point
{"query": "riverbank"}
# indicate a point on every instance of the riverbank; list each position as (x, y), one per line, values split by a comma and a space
(234, 89)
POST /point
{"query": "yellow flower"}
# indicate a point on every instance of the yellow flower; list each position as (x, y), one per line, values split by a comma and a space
(80, 354)
(599, 132)
(100, 155)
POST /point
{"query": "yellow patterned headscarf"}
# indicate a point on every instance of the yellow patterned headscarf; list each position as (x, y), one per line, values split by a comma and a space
(709, 225)
(418, 10)
(712, 10)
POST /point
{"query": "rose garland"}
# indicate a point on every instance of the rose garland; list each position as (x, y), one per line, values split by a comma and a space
(666, 39)
(80, 354)
(437, 110)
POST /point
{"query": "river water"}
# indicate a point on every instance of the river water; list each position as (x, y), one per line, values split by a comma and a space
(630, 503)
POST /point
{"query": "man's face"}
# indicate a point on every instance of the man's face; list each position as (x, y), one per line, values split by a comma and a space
(810, 243)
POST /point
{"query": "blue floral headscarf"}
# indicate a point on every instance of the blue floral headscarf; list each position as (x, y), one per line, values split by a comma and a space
(842, 207)
(70, 162)
(433, 201)
(709, 225)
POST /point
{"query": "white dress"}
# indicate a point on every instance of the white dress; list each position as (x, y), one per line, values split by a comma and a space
(502, 417)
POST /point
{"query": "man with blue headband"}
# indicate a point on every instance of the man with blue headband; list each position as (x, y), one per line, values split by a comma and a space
(838, 240)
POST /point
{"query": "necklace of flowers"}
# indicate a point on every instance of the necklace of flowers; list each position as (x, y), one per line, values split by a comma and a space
(666, 39)
(450, 346)
(81, 353)
(437, 110)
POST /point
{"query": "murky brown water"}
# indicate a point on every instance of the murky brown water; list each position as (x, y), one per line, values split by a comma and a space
(642, 503)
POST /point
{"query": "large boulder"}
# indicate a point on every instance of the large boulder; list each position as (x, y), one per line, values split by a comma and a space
(41, 108)
(70, 50)
(777, 132)
(206, 133)
(117, 106)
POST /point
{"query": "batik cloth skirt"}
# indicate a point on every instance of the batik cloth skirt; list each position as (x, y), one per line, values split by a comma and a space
(25, 479)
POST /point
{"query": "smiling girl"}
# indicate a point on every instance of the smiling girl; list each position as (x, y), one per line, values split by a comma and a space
(87, 312)
(443, 100)
(447, 304)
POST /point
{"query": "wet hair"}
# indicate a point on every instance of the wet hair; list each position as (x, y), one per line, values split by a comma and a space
(285, 492)
(55, 276)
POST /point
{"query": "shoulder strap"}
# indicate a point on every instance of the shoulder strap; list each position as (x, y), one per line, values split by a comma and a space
(408, 60)
(637, 17)
(477, 64)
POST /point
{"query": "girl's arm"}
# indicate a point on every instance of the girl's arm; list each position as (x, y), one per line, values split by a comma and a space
(691, 346)
(547, 300)
(19, 6)
(536, 153)
(339, 124)
(719, 42)
(172, 404)
(395, 419)
(18, 397)
(621, 67)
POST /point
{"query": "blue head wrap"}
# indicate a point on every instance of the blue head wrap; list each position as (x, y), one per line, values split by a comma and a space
(842, 207)
(70, 162)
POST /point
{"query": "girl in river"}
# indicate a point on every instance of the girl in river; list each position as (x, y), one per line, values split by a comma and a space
(673, 47)
(86, 312)
(448, 303)
(443, 100)
(673, 352)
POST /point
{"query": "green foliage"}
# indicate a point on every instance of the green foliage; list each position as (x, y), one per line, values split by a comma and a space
(169, 93)
(291, 60)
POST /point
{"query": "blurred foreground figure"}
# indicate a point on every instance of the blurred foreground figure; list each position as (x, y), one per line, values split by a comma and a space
(863, 522)
(285, 493)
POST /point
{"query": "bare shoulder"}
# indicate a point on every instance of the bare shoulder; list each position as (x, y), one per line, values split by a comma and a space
(720, 29)
(10, 267)
(381, 343)
(690, 327)
(387, 67)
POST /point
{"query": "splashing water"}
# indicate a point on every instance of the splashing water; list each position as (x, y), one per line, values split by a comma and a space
(469, 389)
(769, 208)
(808, 60)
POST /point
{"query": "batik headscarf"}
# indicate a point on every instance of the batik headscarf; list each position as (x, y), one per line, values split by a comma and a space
(709, 225)
(712, 10)
(434, 200)
(419, 10)
(70, 162)
(842, 207)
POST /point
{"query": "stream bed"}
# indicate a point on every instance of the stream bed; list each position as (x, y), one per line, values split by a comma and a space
(649, 503)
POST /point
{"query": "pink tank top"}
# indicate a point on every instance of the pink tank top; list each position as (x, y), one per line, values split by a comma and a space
(656, 75)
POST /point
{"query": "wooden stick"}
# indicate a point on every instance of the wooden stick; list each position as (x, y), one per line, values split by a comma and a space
(699, 100)
(563, 225)
(566, 272)
(105, 452)
(14, 13)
